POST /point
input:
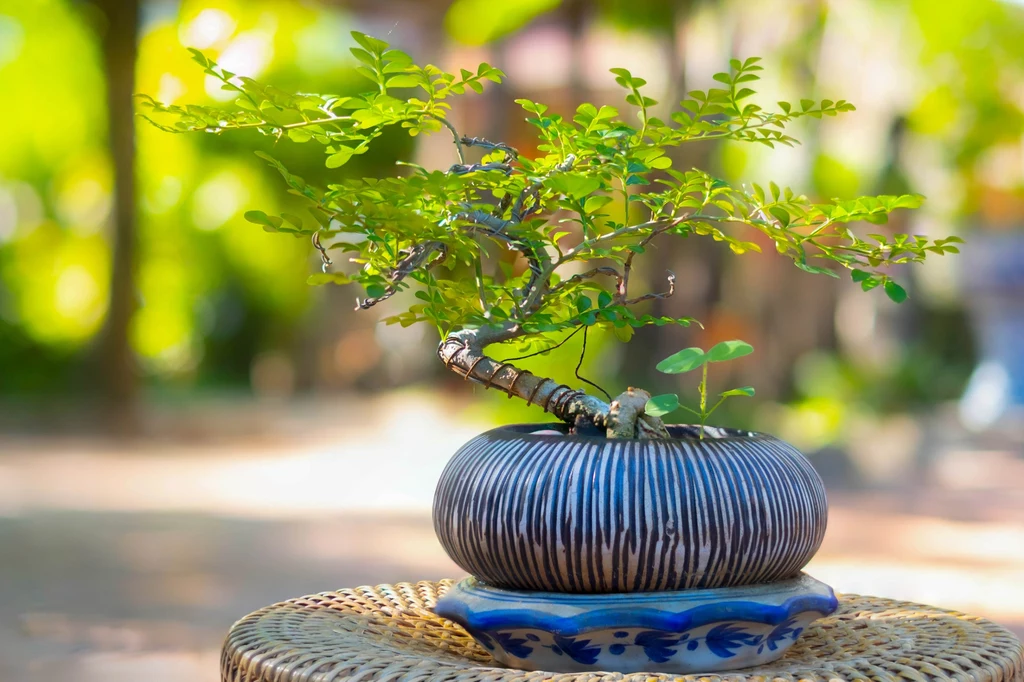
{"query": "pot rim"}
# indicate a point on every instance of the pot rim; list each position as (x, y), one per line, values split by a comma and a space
(481, 607)
(687, 433)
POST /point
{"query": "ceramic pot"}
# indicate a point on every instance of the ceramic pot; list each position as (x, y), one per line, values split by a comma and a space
(691, 631)
(576, 514)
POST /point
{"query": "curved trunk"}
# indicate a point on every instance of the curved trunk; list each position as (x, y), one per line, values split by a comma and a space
(463, 353)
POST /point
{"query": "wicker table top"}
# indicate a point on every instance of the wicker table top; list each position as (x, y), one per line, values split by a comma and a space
(389, 633)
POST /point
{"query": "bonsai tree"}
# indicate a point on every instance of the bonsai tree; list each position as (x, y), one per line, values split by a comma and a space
(600, 192)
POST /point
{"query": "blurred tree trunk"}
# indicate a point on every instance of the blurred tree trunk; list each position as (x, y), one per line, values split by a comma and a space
(118, 380)
(695, 262)
(576, 14)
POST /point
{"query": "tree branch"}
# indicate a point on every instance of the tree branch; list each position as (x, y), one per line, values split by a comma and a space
(325, 260)
(650, 297)
(534, 297)
(511, 153)
(493, 226)
(261, 124)
(462, 169)
(627, 267)
(534, 190)
(455, 136)
(603, 270)
(415, 257)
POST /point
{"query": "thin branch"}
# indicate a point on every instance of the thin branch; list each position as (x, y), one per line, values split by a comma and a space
(479, 272)
(462, 169)
(533, 190)
(649, 297)
(545, 350)
(579, 364)
(624, 231)
(627, 266)
(510, 151)
(603, 270)
(536, 293)
(492, 222)
(455, 136)
(502, 206)
(325, 260)
(530, 191)
(414, 258)
(493, 226)
(270, 124)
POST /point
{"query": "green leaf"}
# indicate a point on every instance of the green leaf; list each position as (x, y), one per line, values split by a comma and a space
(684, 361)
(403, 81)
(660, 405)
(870, 283)
(745, 390)
(780, 214)
(622, 73)
(895, 292)
(729, 350)
(624, 333)
(573, 184)
(371, 44)
(199, 58)
(339, 158)
(363, 56)
(368, 73)
(257, 217)
(813, 269)
(596, 203)
(375, 291)
(859, 275)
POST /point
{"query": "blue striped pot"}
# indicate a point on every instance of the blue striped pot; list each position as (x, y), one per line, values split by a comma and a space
(576, 514)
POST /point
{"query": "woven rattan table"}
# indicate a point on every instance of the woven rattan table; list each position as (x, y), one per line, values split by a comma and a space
(388, 633)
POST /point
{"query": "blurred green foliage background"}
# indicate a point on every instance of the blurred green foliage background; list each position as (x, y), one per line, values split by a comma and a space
(216, 305)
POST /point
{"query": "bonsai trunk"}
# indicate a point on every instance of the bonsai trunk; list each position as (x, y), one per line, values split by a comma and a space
(463, 353)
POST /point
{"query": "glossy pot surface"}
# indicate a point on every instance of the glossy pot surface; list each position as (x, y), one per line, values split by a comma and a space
(563, 513)
(684, 632)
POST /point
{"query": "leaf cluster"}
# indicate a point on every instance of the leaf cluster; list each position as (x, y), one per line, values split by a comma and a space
(545, 242)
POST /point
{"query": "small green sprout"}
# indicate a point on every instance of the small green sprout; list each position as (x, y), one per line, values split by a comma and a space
(690, 359)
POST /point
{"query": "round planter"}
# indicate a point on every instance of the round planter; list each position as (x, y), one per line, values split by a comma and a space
(576, 514)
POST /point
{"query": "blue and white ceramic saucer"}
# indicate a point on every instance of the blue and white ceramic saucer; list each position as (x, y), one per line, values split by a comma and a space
(689, 631)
